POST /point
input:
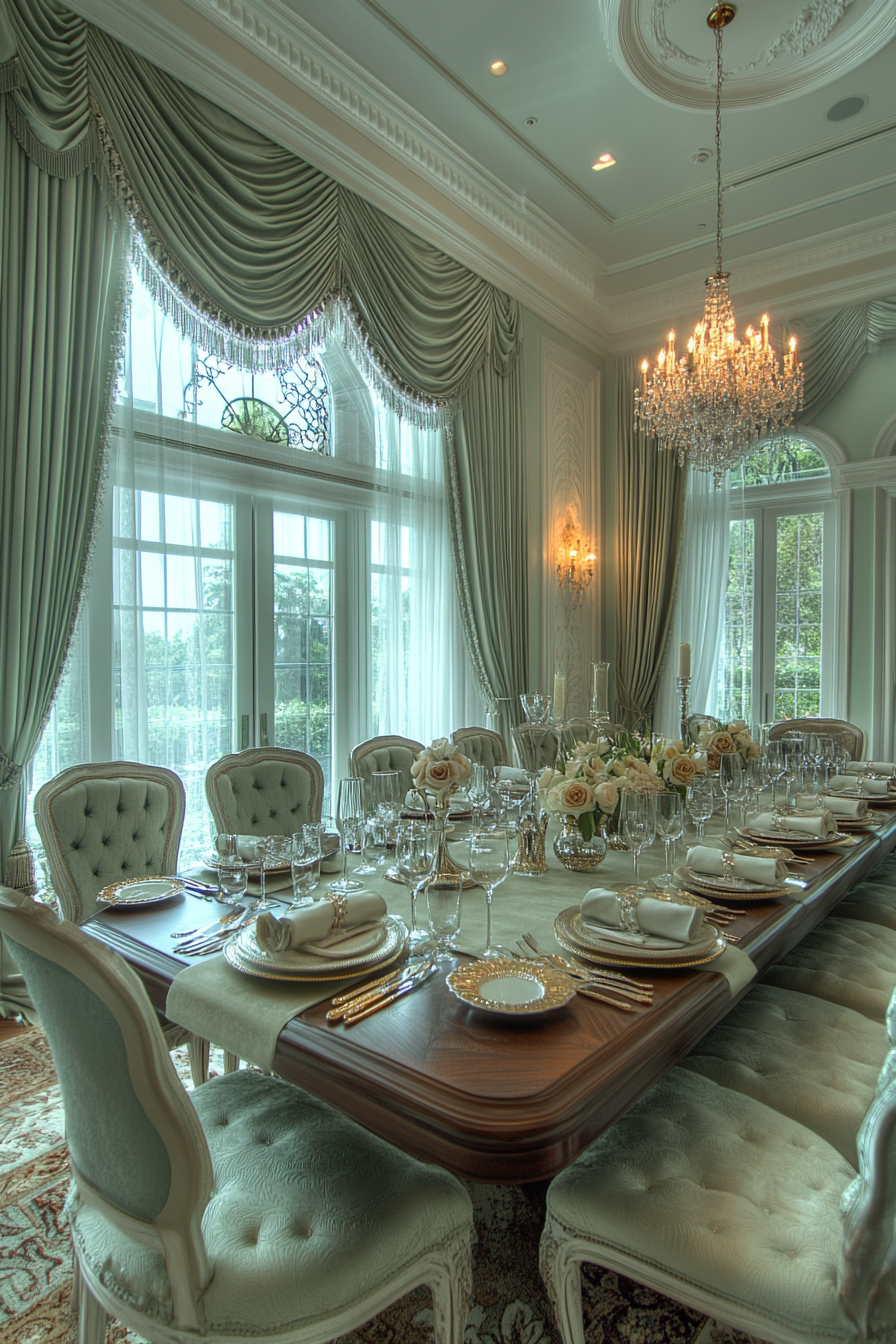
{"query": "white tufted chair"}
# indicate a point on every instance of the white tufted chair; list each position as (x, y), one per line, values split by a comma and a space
(844, 960)
(107, 822)
(250, 1210)
(481, 745)
(711, 1197)
(384, 753)
(847, 734)
(264, 791)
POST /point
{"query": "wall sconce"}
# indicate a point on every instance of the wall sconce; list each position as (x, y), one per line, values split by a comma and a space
(575, 563)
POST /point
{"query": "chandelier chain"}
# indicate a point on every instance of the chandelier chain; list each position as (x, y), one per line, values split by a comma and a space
(718, 32)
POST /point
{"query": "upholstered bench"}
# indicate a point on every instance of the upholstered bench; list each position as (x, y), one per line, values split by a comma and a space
(844, 960)
(874, 898)
(716, 1199)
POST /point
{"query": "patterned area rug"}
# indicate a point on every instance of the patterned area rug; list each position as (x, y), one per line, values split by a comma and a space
(509, 1304)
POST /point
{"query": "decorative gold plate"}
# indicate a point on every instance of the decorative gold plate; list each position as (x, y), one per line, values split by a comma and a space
(511, 988)
(245, 955)
(738, 889)
(139, 891)
(605, 952)
(795, 839)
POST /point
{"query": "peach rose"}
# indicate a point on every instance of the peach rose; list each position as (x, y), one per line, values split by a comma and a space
(721, 743)
(682, 770)
(575, 797)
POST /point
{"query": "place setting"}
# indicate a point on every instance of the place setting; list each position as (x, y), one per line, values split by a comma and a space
(725, 875)
(807, 830)
(631, 927)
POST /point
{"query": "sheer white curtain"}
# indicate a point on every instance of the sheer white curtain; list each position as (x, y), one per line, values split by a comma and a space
(422, 683)
(700, 608)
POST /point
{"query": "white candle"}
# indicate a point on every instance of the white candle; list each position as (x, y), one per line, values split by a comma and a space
(559, 694)
(684, 662)
(599, 687)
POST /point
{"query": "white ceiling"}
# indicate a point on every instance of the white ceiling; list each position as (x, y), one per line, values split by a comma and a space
(395, 98)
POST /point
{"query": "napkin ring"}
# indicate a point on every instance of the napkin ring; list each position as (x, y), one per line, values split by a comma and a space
(628, 912)
(339, 904)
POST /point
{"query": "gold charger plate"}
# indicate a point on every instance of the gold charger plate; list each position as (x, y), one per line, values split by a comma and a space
(139, 891)
(739, 889)
(872, 799)
(566, 930)
(244, 954)
(795, 839)
(587, 959)
(511, 988)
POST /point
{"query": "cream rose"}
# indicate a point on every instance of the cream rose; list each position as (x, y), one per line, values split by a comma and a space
(606, 796)
(436, 775)
(575, 797)
(461, 766)
(682, 770)
(721, 743)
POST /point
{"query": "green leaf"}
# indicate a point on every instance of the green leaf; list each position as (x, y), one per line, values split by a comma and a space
(586, 825)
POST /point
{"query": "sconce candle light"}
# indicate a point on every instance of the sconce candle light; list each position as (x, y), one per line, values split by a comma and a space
(575, 563)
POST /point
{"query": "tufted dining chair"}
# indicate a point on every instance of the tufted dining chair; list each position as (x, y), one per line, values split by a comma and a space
(847, 734)
(247, 1209)
(107, 822)
(715, 1199)
(384, 753)
(482, 746)
(264, 791)
(535, 745)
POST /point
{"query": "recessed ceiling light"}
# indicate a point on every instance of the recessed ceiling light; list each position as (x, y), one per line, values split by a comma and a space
(605, 161)
(847, 107)
(498, 68)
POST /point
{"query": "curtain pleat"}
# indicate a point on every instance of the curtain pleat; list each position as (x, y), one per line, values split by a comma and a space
(650, 494)
(831, 345)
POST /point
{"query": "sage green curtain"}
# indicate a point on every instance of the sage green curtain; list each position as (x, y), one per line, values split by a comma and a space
(650, 496)
(832, 344)
(254, 252)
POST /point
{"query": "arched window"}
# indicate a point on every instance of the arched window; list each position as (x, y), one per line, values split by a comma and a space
(779, 642)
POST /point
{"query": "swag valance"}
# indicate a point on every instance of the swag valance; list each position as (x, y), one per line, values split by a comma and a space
(249, 248)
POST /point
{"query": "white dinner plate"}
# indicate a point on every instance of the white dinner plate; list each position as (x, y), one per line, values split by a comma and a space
(244, 954)
(511, 988)
(139, 891)
(735, 888)
(570, 931)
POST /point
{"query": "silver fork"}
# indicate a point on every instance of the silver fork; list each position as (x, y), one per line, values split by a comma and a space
(199, 947)
(597, 979)
(209, 929)
(567, 965)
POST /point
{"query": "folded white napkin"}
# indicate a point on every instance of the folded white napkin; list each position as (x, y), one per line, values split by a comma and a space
(849, 784)
(658, 919)
(512, 775)
(840, 807)
(314, 923)
(245, 847)
(820, 824)
(766, 871)
(877, 767)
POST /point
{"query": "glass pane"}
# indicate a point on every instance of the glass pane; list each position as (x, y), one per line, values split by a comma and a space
(736, 667)
(303, 620)
(785, 459)
(798, 615)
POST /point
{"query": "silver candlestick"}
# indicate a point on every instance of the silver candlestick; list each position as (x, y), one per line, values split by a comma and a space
(683, 688)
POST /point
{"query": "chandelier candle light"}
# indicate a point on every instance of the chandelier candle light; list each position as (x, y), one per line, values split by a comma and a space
(714, 403)
(575, 563)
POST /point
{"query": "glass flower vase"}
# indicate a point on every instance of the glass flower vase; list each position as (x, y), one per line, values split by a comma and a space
(574, 851)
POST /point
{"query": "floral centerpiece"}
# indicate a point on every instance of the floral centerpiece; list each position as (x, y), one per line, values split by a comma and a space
(586, 783)
(734, 737)
(437, 771)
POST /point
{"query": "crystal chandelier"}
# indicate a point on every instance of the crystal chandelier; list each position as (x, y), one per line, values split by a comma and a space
(714, 403)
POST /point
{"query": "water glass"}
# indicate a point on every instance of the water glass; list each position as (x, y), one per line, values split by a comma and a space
(669, 825)
(638, 817)
(233, 878)
(415, 849)
(731, 780)
(442, 892)
(306, 856)
(349, 824)
(536, 707)
(489, 862)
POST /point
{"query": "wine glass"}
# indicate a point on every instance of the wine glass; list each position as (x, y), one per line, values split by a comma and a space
(385, 787)
(731, 780)
(536, 706)
(489, 862)
(638, 817)
(701, 801)
(260, 855)
(669, 825)
(479, 792)
(306, 856)
(349, 821)
(442, 891)
(776, 767)
(414, 854)
(233, 878)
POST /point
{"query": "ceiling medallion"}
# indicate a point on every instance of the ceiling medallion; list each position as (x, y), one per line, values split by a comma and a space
(714, 403)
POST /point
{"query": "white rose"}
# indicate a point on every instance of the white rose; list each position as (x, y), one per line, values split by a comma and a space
(576, 797)
(606, 796)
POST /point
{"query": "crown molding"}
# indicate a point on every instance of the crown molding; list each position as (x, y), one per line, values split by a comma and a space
(869, 474)
(846, 266)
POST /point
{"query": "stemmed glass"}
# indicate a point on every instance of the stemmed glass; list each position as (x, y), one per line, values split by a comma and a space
(489, 862)
(349, 821)
(701, 802)
(385, 788)
(536, 707)
(776, 767)
(233, 878)
(638, 816)
(306, 856)
(442, 891)
(479, 792)
(414, 854)
(669, 825)
(731, 780)
(263, 857)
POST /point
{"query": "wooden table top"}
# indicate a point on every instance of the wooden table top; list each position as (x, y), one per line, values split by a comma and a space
(497, 1099)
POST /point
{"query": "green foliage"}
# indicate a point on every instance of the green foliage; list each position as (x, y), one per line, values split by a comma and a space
(778, 461)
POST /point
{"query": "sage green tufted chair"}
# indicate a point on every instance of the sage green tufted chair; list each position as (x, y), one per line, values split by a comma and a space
(264, 791)
(847, 734)
(385, 753)
(248, 1210)
(107, 822)
(481, 745)
(718, 1201)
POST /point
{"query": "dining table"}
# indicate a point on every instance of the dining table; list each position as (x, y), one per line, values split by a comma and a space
(492, 1097)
